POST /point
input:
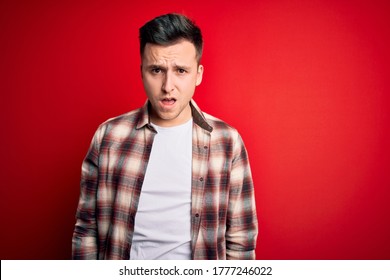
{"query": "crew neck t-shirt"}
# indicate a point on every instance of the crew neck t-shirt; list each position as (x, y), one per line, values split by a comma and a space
(163, 221)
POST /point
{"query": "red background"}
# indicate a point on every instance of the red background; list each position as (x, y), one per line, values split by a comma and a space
(305, 83)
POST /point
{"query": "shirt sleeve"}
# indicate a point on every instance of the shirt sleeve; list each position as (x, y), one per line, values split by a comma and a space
(242, 227)
(85, 239)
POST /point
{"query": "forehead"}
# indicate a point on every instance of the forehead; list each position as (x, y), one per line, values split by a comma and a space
(182, 50)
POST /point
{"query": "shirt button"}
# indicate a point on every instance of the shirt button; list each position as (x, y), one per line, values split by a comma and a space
(205, 147)
(196, 215)
(201, 179)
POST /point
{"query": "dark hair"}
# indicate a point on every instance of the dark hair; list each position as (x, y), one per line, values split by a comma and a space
(168, 29)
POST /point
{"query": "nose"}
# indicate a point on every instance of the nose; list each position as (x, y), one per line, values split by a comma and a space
(168, 84)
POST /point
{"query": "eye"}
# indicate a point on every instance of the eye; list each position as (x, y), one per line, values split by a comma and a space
(156, 70)
(181, 71)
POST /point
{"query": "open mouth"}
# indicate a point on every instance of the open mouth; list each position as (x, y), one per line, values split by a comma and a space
(168, 101)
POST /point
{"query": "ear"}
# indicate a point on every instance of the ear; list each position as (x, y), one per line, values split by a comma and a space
(199, 75)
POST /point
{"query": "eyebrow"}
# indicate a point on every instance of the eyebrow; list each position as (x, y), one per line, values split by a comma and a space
(187, 68)
(154, 66)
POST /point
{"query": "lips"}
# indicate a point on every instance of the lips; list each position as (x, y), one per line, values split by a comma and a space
(168, 101)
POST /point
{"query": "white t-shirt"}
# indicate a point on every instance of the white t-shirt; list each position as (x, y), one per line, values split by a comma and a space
(163, 221)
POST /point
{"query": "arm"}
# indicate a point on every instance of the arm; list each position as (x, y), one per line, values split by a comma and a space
(85, 239)
(242, 228)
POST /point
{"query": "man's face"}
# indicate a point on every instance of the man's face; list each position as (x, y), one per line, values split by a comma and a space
(170, 75)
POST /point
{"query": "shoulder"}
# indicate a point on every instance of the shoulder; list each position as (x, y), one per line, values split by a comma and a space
(225, 139)
(120, 126)
(224, 134)
(219, 126)
(129, 118)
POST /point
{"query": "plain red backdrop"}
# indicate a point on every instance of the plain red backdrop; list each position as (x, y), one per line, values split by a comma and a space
(305, 83)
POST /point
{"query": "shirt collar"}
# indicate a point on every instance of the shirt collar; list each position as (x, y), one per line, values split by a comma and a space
(197, 116)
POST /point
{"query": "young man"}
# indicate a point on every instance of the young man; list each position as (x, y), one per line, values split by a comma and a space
(166, 181)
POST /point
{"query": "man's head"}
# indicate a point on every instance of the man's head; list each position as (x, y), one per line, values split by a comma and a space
(171, 47)
(168, 29)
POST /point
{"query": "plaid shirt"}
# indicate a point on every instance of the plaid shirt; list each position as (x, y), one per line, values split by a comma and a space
(223, 217)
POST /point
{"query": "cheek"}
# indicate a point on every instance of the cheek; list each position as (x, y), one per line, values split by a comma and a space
(150, 85)
(188, 84)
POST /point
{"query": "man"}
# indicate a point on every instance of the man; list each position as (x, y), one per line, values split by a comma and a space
(166, 181)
